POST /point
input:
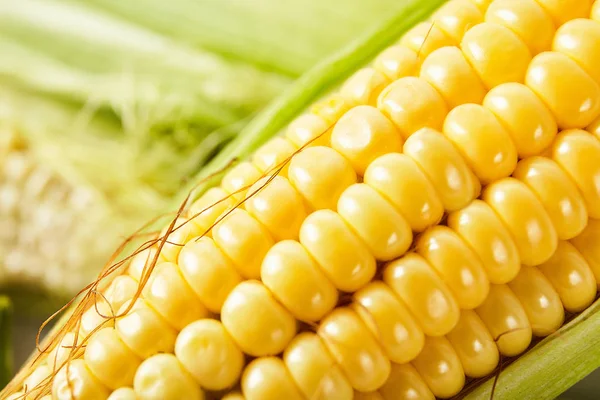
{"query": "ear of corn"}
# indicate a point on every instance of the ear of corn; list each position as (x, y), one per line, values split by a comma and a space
(482, 264)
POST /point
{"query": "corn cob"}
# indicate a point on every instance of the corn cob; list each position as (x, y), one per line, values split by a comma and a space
(430, 230)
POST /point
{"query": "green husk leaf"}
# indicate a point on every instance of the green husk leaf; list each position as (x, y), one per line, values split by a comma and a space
(6, 354)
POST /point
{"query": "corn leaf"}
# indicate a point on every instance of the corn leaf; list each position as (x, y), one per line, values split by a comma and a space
(6, 355)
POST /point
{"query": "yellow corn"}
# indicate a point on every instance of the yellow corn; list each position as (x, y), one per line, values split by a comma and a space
(476, 146)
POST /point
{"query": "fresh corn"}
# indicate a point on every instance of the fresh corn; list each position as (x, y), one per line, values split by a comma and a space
(317, 274)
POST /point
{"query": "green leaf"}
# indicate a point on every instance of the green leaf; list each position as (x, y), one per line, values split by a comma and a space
(6, 353)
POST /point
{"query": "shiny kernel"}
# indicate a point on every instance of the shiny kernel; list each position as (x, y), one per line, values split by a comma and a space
(482, 229)
(439, 366)
(363, 134)
(580, 40)
(210, 274)
(402, 182)
(208, 353)
(426, 37)
(411, 104)
(244, 240)
(297, 282)
(397, 62)
(331, 108)
(527, 19)
(594, 128)
(122, 289)
(123, 393)
(389, 321)
(256, 321)
(314, 370)
(566, 10)
(273, 156)
(66, 348)
(278, 206)
(539, 300)
(587, 244)
(385, 231)
(162, 377)
(526, 118)
(445, 167)
(308, 130)
(181, 232)
(36, 382)
(75, 381)
(144, 331)
(524, 215)
(405, 383)
(571, 277)
(506, 320)
(482, 4)
(208, 208)
(424, 293)
(320, 174)
(474, 345)
(557, 192)
(496, 53)
(355, 350)
(447, 70)
(364, 86)
(456, 263)
(571, 94)
(595, 13)
(341, 254)
(482, 140)
(578, 152)
(239, 179)
(110, 360)
(170, 295)
(267, 379)
(456, 17)
(99, 314)
(140, 263)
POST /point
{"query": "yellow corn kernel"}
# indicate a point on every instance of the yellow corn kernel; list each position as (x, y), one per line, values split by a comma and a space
(594, 128)
(595, 13)
(278, 206)
(439, 366)
(110, 360)
(182, 231)
(367, 396)
(580, 40)
(483, 141)
(331, 108)
(566, 10)
(36, 381)
(527, 19)
(274, 155)
(343, 257)
(238, 180)
(208, 208)
(308, 130)
(144, 331)
(210, 274)
(121, 289)
(474, 345)
(170, 295)
(124, 393)
(208, 353)
(16, 396)
(233, 396)
(405, 383)
(244, 240)
(587, 244)
(539, 300)
(400, 180)
(161, 377)
(258, 324)
(390, 322)
(481, 228)
(456, 263)
(411, 104)
(496, 53)
(397, 62)
(99, 314)
(75, 381)
(142, 261)
(267, 378)
(296, 280)
(572, 95)
(456, 17)
(64, 350)
(314, 370)
(426, 37)
(482, 4)
(321, 174)
(363, 134)
(578, 152)
(506, 320)
(571, 277)
(424, 293)
(557, 192)
(355, 349)
(445, 167)
(364, 86)
(385, 231)
(447, 70)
